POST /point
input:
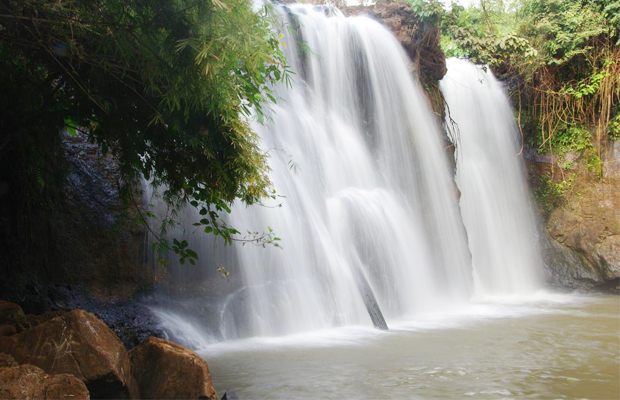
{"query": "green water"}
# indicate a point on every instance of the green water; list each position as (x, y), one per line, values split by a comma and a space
(564, 348)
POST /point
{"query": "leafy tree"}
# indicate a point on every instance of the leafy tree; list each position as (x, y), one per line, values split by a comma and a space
(166, 86)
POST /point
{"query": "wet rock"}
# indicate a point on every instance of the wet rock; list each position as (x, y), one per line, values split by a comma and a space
(7, 360)
(80, 344)
(565, 268)
(7, 330)
(30, 382)
(10, 313)
(131, 320)
(165, 370)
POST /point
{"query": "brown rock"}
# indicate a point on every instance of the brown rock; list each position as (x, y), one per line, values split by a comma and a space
(582, 250)
(165, 370)
(7, 360)
(30, 382)
(80, 344)
(7, 330)
(10, 313)
(589, 223)
(30, 320)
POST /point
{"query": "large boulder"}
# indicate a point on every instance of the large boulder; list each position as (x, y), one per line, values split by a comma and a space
(165, 370)
(565, 268)
(80, 344)
(29, 382)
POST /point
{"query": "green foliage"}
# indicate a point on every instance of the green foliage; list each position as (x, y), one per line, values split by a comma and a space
(595, 165)
(430, 11)
(549, 194)
(588, 86)
(574, 139)
(165, 86)
(561, 58)
(486, 34)
(561, 29)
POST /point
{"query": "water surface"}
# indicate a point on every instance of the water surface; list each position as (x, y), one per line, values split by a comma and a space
(556, 346)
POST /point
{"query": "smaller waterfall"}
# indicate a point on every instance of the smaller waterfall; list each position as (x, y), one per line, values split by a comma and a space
(495, 203)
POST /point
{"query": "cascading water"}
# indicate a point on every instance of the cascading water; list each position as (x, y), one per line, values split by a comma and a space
(370, 197)
(370, 222)
(495, 202)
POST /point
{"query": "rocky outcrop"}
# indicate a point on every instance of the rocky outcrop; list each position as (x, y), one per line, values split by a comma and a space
(565, 268)
(588, 223)
(81, 231)
(165, 370)
(581, 238)
(29, 382)
(79, 344)
(73, 354)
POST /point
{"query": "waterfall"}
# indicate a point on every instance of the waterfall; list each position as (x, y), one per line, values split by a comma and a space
(368, 200)
(495, 203)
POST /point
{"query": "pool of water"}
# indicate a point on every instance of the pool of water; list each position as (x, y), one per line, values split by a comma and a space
(548, 347)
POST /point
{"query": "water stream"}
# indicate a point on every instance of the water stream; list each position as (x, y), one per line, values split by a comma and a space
(495, 203)
(369, 218)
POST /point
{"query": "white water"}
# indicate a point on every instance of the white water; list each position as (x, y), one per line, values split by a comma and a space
(495, 202)
(370, 190)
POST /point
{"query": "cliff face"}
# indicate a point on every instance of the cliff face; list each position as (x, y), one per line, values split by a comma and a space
(78, 233)
(581, 239)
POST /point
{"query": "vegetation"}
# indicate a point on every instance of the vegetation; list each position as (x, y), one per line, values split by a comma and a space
(165, 86)
(561, 58)
(561, 62)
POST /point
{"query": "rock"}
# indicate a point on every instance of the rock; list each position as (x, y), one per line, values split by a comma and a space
(165, 370)
(565, 268)
(7, 360)
(581, 239)
(612, 160)
(30, 382)
(589, 224)
(7, 330)
(80, 344)
(10, 313)
(30, 320)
